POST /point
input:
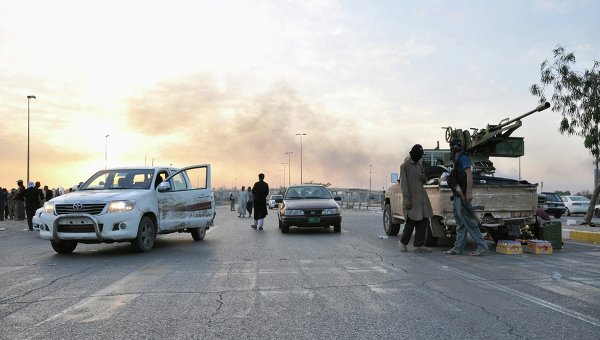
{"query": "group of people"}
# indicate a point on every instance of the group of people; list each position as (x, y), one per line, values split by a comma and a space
(417, 207)
(250, 199)
(22, 202)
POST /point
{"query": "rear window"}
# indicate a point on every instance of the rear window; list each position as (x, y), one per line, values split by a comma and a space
(551, 197)
(579, 199)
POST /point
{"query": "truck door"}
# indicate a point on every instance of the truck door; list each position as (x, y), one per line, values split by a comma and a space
(185, 199)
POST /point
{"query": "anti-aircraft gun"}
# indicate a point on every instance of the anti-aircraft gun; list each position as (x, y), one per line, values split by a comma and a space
(492, 141)
(505, 207)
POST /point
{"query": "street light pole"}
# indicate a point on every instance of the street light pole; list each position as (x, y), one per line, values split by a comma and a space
(289, 153)
(369, 194)
(284, 174)
(28, 98)
(106, 152)
(301, 134)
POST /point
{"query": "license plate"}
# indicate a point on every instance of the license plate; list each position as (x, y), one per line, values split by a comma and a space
(72, 221)
(314, 220)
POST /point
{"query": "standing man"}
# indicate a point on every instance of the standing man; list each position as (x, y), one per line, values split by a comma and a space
(260, 191)
(48, 193)
(461, 182)
(250, 202)
(417, 207)
(232, 202)
(242, 201)
(3, 199)
(20, 201)
(32, 202)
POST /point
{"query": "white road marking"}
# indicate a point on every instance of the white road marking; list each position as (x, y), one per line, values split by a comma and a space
(104, 303)
(538, 301)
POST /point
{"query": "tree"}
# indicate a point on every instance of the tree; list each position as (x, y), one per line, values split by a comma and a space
(577, 97)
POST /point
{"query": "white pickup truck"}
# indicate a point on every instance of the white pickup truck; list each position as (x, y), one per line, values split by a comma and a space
(131, 205)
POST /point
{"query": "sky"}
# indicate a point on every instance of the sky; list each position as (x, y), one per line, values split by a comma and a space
(231, 83)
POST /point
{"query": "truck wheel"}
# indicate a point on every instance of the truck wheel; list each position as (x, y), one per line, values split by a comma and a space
(430, 240)
(145, 236)
(390, 228)
(198, 234)
(63, 247)
(501, 236)
(337, 227)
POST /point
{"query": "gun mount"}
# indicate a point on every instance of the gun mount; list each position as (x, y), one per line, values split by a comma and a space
(492, 141)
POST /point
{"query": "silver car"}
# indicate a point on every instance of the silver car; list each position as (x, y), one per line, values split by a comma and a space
(272, 204)
(575, 204)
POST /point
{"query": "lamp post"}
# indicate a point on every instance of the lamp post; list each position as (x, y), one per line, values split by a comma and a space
(369, 193)
(301, 134)
(106, 152)
(284, 174)
(28, 98)
(289, 153)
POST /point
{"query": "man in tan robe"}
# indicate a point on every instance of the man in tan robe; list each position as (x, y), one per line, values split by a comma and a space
(417, 207)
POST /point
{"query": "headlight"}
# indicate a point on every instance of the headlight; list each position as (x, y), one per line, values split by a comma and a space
(49, 208)
(119, 206)
(332, 211)
(292, 212)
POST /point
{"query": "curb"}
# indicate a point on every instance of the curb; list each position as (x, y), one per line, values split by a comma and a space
(578, 235)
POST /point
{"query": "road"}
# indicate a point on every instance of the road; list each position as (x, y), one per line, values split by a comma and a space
(311, 283)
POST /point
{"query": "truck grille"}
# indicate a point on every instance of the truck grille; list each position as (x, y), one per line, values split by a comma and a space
(313, 212)
(78, 228)
(92, 209)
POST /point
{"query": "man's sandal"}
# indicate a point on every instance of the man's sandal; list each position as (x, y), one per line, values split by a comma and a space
(479, 252)
(452, 252)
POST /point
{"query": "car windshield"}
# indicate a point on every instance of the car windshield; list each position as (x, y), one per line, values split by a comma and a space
(119, 179)
(308, 192)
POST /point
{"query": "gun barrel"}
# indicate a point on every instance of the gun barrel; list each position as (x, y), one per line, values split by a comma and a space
(539, 108)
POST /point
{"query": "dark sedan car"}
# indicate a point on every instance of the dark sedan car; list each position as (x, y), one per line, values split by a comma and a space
(309, 206)
(554, 204)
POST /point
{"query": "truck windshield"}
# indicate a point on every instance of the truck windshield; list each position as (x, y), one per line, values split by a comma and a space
(120, 179)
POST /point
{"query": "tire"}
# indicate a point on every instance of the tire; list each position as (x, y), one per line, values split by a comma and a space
(337, 227)
(559, 215)
(390, 228)
(146, 236)
(285, 228)
(198, 234)
(63, 247)
(501, 236)
(430, 240)
(568, 212)
(596, 213)
(279, 223)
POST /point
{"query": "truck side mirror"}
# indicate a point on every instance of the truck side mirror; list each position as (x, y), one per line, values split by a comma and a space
(164, 187)
(394, 177)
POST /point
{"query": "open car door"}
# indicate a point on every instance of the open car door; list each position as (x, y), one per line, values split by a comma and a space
(185, 199)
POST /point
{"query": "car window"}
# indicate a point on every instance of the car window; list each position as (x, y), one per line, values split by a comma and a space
(579, 199)
(312, 192)
(178, 182)
(551, 197)
(119, 179)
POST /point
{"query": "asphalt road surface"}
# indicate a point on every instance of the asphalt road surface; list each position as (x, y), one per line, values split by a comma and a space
(311, 283)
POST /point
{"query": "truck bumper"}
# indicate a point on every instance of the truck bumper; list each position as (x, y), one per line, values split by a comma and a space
(85, 228)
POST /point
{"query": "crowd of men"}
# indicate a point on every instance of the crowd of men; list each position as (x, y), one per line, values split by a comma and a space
(22, 202)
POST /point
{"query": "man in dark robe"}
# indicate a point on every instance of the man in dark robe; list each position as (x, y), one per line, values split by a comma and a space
(260, 190)
(32, 202)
